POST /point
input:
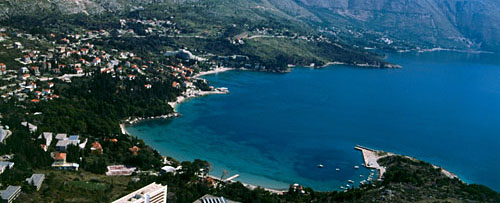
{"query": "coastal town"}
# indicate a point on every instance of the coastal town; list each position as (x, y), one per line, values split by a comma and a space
(47, 64)
(49, 61)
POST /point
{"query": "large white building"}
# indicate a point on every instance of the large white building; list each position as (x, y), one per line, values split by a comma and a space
(153, 193)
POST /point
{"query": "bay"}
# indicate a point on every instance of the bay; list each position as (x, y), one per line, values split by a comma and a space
(273, 129)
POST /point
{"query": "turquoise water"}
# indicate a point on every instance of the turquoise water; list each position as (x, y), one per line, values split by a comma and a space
(273, 129)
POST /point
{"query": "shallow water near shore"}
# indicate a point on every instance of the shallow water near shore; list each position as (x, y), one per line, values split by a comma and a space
(273, 129)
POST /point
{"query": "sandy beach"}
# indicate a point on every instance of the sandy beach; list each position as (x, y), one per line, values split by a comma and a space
(215, 71)
(250, 186)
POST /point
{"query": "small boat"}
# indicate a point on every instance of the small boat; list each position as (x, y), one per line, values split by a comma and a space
(348, 185)
(337, 169)
(356, 167)
(342, 187)
(361, 176)
(351, 181)
(320, 166)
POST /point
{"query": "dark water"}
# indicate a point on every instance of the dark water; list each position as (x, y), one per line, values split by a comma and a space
(273, 129)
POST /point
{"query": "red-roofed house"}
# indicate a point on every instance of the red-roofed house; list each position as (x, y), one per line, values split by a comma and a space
(96, 148)
(175, 84)
(78, 70)
(134, 149)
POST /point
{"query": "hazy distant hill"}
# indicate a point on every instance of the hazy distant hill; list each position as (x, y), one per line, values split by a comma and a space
(458, 24)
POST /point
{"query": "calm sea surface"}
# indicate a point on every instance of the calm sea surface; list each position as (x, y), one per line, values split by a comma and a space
(273, 129)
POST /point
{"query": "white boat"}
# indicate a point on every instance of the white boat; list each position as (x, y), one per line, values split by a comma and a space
(320, 165)
(350, 181)
(356, 167)
(337, 169)
(361, 176)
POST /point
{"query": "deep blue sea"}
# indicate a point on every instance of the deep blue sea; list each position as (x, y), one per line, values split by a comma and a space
(273, 129)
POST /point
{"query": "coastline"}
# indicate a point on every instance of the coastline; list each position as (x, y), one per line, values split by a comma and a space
(186, 95)
(215, 71)
(370, 156)
(179, 100)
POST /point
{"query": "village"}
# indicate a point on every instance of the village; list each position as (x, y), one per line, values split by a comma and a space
(33, 78)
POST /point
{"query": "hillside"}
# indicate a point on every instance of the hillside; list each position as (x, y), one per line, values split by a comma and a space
(448, 23)
(389, 24)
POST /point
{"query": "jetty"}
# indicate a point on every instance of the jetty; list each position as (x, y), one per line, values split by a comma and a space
(232, 177)
(371, 157)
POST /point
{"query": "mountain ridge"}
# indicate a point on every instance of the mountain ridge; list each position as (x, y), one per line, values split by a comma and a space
(454, 24)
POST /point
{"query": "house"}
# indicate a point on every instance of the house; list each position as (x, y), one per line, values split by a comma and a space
(114, 140)
(35, 70)
(60, 162)
(66, 166)
(175, 84)
(46, 91)
(209, 199)
(187, 84)
(18, 45)
(32, 128)
(120, 170)
(134, 149)
(60, 157)
(48, 138)
(96, 61)
(10, 194)
(5, 165)
(3, 69)
(78, 70)
(152, 193)
(74, 139)
(26, 59)
(61, 136)
(170, 169)
(96, 148)
(3, 135)
(36, 180)
(62, 145)
(25, 76)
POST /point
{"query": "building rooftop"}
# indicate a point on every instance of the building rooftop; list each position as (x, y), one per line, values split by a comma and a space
(213, 199)
(36, 179)
(7, 164)
(139, 194)
(62, 143)
(61, 136)
(9, 192)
